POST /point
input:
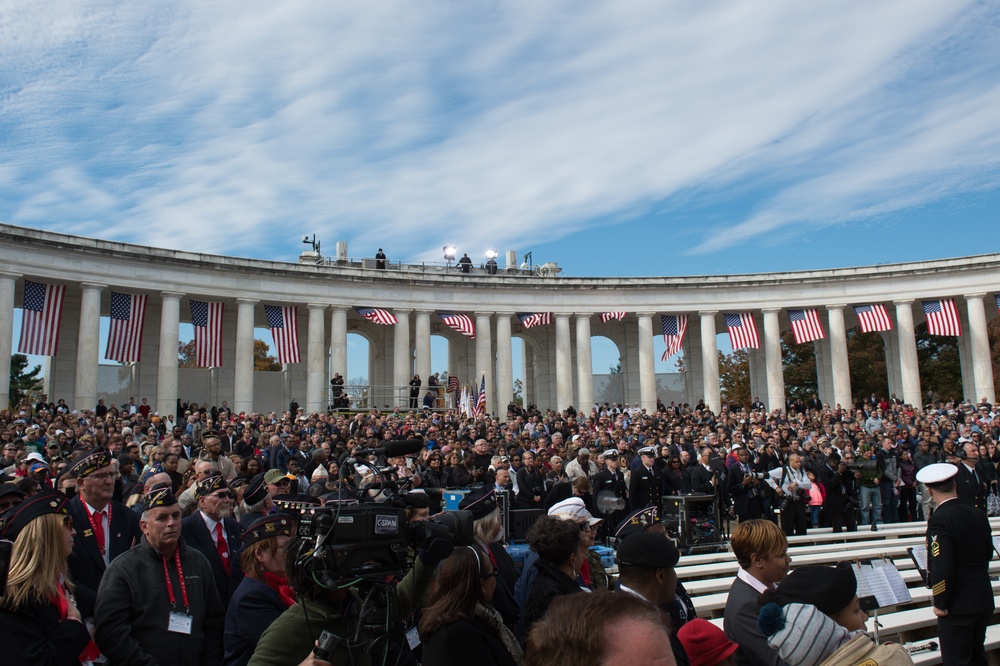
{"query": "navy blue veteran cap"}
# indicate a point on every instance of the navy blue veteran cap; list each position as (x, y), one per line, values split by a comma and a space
(159, 495)
(256, 490)
(481, 502)
(89, 463)
(18, 517)
(645, 549)
(275, 525)
(210, 484)
(637, 521)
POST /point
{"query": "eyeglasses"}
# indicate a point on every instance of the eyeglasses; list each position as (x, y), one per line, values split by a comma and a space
(223, 495)
(587, 527)
(103, 476)
(67, 521)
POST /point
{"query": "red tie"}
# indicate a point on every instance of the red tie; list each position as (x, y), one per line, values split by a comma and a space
(99, 531)
(220, 542)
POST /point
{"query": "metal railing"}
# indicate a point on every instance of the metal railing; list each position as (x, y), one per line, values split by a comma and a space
(382, 397)
(439, 267)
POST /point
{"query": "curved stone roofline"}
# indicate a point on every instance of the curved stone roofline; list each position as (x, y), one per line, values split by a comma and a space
(54, 240)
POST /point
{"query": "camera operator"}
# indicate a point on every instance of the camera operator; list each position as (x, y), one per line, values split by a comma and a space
(792, 485)
(839, 503)
(744, 486)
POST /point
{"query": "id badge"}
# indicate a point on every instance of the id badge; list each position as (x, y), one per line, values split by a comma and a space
(180, 623)
(413, 638)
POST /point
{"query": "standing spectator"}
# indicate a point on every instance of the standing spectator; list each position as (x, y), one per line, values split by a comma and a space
(889, 465)
(157, 603)
(907, 487)
(380, 260)
(212, 532)
(645, 488)
(557, 543)
(817, 496)
(415, 384)
(530, 483)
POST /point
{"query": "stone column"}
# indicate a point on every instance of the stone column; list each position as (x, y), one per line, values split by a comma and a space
(982, 368)
(772, 358)
(338, 342)
(402, 366)
(316, 360)
(710, 362)
(584, 364)
(564, 363)
(839, 362)
(7, 283)
(423, 345)
(908, 367)
(505, 363)
(166, 370)
(88, 345)
(243, 365)
(484, 359)
(647, 367)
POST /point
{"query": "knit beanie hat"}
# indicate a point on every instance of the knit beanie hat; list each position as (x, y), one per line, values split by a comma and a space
(802, 635)
(704, 643)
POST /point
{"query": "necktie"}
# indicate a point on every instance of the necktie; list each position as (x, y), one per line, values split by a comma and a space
(99, 533)
(220, 542)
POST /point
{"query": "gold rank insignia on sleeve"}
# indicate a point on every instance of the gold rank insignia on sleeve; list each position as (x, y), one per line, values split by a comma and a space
(938, 589)
(935, 546)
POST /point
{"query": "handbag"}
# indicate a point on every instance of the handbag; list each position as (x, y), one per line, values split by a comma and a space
(992, 503)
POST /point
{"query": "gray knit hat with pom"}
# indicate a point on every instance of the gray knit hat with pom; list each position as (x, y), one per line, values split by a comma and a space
(802, 635)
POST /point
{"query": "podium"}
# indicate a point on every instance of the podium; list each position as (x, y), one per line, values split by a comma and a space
(693, 522)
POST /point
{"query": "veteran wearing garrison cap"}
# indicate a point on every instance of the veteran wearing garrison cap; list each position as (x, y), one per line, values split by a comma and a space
(959, 548)
(488, 530)
(104, 528)
(212, 532)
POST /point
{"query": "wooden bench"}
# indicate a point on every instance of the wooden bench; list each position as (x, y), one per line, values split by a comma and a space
(797, 551)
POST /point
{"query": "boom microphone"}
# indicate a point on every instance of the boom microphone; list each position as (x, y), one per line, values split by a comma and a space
(405, 447)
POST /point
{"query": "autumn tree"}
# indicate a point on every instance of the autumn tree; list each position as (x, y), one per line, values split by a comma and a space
(799, 366)
(940, 370)
(734, 377)
(23, 382)
(187, 356)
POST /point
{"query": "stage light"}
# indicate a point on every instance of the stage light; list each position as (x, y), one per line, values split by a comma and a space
(449, 252)
(491, 254)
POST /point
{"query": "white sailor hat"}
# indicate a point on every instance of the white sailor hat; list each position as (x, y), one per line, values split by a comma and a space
(647, 451)
(936, 473)
(609, 453)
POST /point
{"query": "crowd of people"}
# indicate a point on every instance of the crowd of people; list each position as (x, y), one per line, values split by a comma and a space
(164, 539)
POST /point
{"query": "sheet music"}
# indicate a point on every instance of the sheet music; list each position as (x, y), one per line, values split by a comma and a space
(863, 588)
(895, 581)
(919, 555)
(996, 544)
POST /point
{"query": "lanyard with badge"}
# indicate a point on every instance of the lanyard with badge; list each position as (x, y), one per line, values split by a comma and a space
(100, 534)
(179, 623)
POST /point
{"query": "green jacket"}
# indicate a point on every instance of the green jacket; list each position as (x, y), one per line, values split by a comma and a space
(290, 638)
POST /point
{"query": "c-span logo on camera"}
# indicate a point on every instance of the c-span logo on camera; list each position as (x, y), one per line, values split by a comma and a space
(386, 524)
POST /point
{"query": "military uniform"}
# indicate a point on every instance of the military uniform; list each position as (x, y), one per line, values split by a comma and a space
(959, 548)
(614, 482)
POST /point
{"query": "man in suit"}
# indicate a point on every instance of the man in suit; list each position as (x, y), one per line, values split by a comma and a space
(838, 504)
(703, 478)
(969, 483)
(959, 548)
(744, 487)
(646, 484)
(212, 532)
(104, 528)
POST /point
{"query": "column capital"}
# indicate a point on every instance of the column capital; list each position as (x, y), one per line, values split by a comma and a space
(165, 295)
(7, 275)
(317, 306)
(505, 313)
(402, 311)
(645, 314)
(423, 312)
(903, 301)
(482, 314)
(340, 308)
(770, 310)
(583, 315)
(836, 306)
(562, 315)
(92, 285)
(979, 296)
(707, 313)
(247, 301)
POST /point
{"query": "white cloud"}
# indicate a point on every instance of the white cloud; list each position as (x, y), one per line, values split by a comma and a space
(223, 125)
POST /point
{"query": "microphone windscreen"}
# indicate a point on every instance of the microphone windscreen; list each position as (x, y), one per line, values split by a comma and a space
(403, 448)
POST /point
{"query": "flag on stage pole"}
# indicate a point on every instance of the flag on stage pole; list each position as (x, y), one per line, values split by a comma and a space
(608, 316)
(535, 319)
(459, 322)
(742, 331)
(942, 317)
(284, 323)
(996, 297)
(674, 327)
(378, 315)
(207, 320)
(128, 313)
(40, 318)
(452, 384)
(481, 398)
(873, 317)
(806, 326)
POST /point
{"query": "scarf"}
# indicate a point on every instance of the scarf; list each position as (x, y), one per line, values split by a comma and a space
(58, 599)
(492, 619)
(281, 586)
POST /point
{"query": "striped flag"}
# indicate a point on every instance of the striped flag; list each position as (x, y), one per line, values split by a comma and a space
(873, 317)
(942, 317)
(206, 317)
(284, 323)
(805, 325)
(742, 331)
(481, 399)
(40, 318)
(460, 322)
(996, 297)
(452, 384)
(674, 327)
(608, 316)
(128, 313)
(535, 319)
(464, 404)
(378, 315)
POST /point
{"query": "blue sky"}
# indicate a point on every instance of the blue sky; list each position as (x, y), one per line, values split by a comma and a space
(642, 138)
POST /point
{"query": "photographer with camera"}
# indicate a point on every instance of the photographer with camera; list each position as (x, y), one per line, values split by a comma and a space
(792, 486)
(744, 486)
(839, 503)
